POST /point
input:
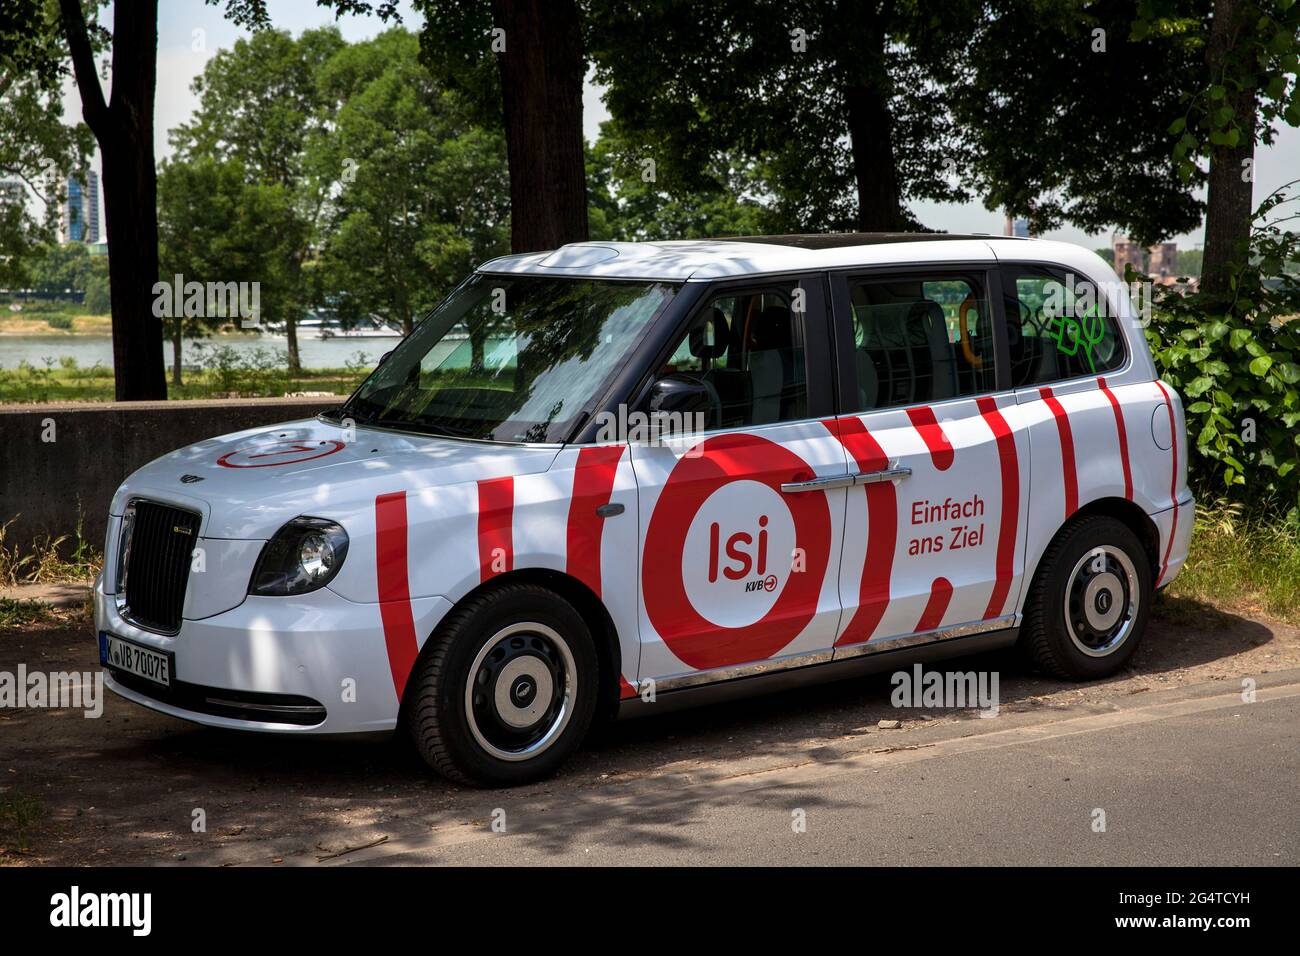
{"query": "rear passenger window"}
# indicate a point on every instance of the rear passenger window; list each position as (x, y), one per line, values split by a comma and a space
(1058, 326)
(749, 348)
(920, 339)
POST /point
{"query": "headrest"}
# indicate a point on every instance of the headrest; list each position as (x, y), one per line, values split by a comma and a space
(699, 341)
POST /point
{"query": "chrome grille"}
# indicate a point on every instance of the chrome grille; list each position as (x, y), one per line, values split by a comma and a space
(157, 543)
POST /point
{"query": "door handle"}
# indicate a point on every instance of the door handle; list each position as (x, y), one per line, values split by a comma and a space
(818, 484)
(845, 481)
(886, 474)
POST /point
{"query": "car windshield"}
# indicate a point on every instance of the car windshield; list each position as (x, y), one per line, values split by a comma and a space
(509, 358)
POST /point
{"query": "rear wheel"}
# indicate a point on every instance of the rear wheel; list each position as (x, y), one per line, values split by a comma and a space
(506, 690)
(1087, 608)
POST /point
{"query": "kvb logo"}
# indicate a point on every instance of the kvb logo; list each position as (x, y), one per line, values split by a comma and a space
(721, 514)
(738, 553)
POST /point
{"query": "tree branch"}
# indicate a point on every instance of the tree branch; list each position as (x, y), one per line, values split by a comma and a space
(93, 107)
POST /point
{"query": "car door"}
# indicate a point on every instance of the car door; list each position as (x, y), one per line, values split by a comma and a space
(933, 540)
(741, 519)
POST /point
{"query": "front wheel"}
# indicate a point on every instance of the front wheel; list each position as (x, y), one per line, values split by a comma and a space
(506, 690)
(1087, 608)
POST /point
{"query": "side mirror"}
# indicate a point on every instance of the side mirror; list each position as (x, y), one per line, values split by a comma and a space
(383, 358)
(681, 396)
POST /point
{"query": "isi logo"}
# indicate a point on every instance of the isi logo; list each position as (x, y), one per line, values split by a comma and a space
(720, 588)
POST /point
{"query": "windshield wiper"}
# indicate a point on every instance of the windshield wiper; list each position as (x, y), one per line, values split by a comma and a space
(405, 424)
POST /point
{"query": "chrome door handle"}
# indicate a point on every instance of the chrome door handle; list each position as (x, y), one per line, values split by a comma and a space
(845, 481)
(818, 484)
(887, 474)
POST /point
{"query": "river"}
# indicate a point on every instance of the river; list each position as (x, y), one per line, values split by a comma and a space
(89, 349)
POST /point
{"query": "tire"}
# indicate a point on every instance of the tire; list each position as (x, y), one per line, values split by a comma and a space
(535, 680)
(1087, 607)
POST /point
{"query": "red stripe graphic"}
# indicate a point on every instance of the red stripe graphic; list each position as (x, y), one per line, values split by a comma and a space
(940, 595)
(1123, 437)
(394, 589)
(625, 690)
(1173, 481)
(941, 451)
(496, 550)
(1067, 450)
(1010, 467)
(593, 483)
(882, 530)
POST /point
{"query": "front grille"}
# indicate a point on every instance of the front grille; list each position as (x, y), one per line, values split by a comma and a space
(158, 546)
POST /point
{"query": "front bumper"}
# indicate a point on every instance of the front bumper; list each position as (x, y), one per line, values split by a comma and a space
(264, 664)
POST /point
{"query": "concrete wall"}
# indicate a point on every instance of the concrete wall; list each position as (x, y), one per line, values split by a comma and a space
(98, 444)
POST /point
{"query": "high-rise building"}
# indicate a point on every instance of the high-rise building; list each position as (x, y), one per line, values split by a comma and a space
(81, 211)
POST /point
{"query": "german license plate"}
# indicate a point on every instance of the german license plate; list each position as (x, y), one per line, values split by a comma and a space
(135, 659)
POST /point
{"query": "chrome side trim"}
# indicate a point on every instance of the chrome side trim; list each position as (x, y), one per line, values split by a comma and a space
(719, 674)
(775, 665)
(925, 637)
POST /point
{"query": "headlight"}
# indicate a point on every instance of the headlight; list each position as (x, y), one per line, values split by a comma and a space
(303, 556)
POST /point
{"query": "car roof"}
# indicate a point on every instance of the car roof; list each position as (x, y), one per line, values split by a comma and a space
(687, 259)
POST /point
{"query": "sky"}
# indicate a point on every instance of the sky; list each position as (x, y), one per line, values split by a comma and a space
(190, 32)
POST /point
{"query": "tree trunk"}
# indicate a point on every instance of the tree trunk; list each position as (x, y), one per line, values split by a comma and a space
(1229, 204)
(291, 343)
(542, 69)
(871, 140)
(124, 129)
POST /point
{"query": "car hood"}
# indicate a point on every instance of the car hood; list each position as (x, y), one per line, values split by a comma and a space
(247, 484)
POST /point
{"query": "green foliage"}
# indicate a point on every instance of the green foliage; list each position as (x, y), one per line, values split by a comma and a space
(627, 201)
(1040, 91)
(421, 194)
(1262, 63)
(802, 91)
(1237, 368)
(36, 148)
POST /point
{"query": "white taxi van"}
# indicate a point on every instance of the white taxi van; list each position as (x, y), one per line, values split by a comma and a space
(865, 451)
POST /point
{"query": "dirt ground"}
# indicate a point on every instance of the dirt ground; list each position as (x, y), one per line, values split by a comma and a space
(123, 788)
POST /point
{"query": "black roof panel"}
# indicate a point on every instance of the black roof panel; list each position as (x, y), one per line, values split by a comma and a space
(836, 240)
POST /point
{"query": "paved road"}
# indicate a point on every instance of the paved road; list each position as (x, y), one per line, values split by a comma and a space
(1191, 776)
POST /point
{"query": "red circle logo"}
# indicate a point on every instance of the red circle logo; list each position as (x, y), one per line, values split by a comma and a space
(716, 462)
(278, 453)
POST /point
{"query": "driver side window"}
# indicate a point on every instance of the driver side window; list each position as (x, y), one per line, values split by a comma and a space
(748, 349)
(1058, 327)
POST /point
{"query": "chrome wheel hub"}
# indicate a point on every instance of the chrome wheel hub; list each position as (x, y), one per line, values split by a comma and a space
(1101, 601)
(519, 691)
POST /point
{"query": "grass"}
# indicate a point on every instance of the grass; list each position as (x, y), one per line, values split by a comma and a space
(16, 613)
(1242, 562)
(51, 382)
(20, 813)
(66, 559)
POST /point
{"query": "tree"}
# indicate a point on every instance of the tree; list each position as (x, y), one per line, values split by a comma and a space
(1248, 81)
(421, 191)
(37, 151)
(520, 65)
(628, 202)
(217, 225)
(1063, 116)
(259, 104)
(832, 100)
(123, 127)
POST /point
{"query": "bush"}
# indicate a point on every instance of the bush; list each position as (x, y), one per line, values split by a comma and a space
(59, 321)
(1236, 365)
